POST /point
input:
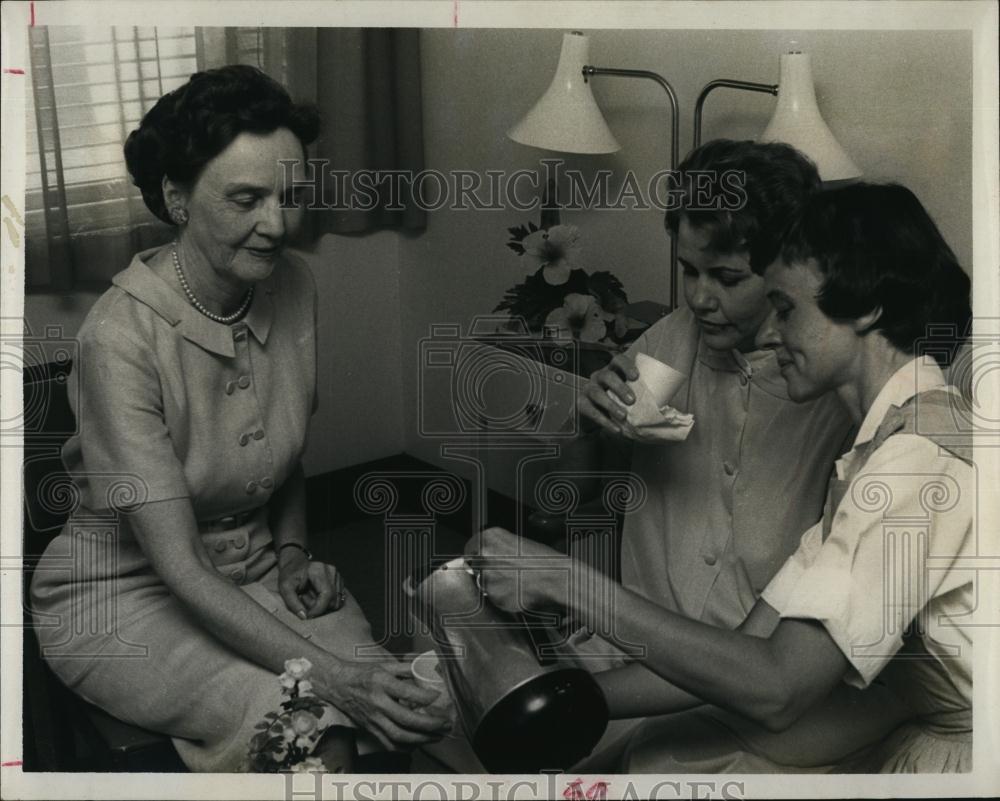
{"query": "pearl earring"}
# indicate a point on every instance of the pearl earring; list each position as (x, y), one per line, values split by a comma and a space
(179, 215)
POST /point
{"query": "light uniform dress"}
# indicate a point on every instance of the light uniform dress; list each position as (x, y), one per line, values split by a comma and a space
(725, 508)
(887, 574)
(172, 405)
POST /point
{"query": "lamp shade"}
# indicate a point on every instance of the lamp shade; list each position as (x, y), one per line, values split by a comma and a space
(566, 118)
(797, 121)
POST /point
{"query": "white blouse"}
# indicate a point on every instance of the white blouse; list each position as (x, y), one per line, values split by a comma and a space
(892, 555)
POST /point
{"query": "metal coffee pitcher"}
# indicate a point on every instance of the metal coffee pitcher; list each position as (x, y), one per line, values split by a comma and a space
(523, 712)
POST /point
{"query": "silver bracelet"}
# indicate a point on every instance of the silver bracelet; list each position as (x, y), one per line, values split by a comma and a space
(301, 547)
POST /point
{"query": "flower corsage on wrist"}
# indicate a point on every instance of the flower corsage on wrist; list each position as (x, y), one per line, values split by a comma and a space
(286, 738)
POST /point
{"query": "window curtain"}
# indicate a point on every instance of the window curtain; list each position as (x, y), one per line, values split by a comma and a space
(366, 84)
(90, 88)
(368, 93)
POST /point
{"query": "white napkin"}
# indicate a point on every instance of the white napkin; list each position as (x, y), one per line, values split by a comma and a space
(647, 422)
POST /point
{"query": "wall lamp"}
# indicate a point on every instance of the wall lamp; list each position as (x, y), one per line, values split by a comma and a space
(796, 120)
(567, 118)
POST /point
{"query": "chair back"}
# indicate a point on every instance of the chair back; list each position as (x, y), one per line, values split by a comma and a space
(49, 718)
(48, 421)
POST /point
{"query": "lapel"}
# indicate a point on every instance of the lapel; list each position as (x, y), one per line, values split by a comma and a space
(139, 281)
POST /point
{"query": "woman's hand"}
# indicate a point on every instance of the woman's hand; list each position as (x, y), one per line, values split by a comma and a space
(521, 575)
(596, 405)
(309, 589)
(379, 698)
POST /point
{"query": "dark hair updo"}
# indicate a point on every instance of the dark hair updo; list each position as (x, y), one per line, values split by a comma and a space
(776, 179)
(194, 123)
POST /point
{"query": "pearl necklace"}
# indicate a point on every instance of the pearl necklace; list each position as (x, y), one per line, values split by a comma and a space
(219, 318)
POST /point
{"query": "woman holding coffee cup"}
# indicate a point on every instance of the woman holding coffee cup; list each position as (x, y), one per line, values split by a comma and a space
(704, 544)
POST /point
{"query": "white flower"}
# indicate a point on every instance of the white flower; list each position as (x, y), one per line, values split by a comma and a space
(305, 687)
(306, 742)
(299, 668)
(554, 250)
(580, 317)
(309, 765)
(304, 722)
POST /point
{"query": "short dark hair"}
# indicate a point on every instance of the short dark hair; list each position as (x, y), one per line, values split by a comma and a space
(194, 123)
(878, 248)
(776, 180)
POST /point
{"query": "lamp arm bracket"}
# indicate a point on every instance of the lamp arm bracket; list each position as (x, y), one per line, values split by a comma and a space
(588, 71)
(726, 83)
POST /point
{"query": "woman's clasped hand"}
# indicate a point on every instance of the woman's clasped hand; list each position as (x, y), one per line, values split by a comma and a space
(309, 588)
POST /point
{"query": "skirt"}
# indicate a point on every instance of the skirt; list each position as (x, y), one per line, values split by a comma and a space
(125, 644)
(938, 736)
(919, 746)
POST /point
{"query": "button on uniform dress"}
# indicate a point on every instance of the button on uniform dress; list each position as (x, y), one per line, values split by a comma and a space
(173, 405)
(727, 506)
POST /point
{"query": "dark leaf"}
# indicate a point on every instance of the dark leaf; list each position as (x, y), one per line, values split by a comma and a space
(608, 290)
(534, 299)
(262, 763)
(518, 234)
(308, 703)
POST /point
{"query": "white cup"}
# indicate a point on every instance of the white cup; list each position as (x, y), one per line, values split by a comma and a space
(660, 379)
(426, 670)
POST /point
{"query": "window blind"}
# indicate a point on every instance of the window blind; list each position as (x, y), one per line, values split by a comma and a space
(90, 88)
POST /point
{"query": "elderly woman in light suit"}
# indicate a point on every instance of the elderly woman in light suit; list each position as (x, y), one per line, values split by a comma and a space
(195, 386)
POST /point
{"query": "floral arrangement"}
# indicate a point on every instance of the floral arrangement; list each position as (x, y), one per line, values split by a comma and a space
(286, 739)
(559, 299)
